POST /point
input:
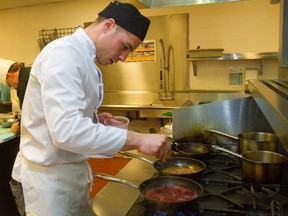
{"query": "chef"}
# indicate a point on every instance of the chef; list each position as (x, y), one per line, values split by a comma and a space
(17, 78)
(61, 127)
(4, 67)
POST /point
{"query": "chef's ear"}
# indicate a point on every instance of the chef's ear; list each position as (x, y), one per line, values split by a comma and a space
(109, 24)
(8, 75)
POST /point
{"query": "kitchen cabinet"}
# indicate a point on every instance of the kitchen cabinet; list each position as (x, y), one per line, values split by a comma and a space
(234, 56)
(8, 152)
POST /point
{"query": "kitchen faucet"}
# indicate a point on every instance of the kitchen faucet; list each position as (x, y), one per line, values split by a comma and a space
(166, 87)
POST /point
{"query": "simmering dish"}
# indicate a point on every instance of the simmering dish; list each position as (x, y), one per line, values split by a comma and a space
(181, 170)
(171, 193)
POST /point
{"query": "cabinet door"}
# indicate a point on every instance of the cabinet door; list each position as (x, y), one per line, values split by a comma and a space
(8, 152)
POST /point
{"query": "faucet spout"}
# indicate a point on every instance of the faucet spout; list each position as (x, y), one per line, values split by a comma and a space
(165, 91)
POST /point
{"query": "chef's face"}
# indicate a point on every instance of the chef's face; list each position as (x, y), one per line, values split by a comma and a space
(115, 45)
(11, 80)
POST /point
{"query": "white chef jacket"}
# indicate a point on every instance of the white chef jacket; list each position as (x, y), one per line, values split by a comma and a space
(59, 122)
(64, 91)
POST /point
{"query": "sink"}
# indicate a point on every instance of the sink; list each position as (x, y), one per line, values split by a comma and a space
(188, 103)
(164, 105)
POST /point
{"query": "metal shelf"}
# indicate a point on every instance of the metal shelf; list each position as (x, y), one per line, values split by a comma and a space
(235, 56)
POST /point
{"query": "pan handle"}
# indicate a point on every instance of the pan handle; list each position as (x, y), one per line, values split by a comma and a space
(227, 151)
(222, 134)
(128, 154)
(113, 179)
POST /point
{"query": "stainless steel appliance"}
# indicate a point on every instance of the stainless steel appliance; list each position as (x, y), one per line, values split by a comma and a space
(283, 42)
(226, 192)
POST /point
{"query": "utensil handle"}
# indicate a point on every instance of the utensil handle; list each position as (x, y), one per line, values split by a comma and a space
(253, 197)
(128, 154)
(227, 151)
(114, 179)
(222, 134)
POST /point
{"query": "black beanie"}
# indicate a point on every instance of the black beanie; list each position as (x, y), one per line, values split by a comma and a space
(128, 17)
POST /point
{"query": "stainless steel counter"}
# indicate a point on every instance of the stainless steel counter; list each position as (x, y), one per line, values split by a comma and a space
(116, 199)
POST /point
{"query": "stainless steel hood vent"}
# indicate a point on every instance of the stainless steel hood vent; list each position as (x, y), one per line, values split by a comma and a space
(272, 98)
(170, 3)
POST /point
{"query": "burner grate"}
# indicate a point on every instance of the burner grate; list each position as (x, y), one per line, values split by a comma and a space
(226, 193)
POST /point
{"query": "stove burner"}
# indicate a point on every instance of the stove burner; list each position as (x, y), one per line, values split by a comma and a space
(226, 194)
(143, 208)
(184, 212)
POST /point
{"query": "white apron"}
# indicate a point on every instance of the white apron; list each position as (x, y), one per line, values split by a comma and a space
(56, 182)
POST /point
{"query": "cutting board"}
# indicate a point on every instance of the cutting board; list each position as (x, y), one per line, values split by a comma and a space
(5, 133)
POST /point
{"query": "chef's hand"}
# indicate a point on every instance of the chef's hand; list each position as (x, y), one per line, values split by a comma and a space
(103, 116)
(150, 144)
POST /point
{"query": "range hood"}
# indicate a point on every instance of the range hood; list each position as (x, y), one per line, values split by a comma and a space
(169, 3)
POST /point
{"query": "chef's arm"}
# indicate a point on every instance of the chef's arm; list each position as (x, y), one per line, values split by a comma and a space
(150, 144)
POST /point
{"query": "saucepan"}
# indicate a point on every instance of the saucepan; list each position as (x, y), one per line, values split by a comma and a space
(252, 141)
(163, 191)
(259, 166)
(174, 166)
(192, 149)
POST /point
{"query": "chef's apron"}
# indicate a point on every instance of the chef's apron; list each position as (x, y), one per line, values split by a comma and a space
(54, 190)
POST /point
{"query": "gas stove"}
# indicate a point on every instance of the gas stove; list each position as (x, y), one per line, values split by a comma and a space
(226, 193)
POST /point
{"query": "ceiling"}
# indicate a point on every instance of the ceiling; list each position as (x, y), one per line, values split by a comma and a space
(9, 4)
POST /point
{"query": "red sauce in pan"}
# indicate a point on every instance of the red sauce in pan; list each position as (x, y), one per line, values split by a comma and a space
(171, 193)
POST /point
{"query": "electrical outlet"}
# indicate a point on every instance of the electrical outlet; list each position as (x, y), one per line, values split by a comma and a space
(235, 76)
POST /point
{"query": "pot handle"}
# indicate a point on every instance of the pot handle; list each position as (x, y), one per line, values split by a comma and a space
(222, 134)
(128, 154)
(114, 179)
(227, 151)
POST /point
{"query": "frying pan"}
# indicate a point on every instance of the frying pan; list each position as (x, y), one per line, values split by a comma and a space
(252, 141)
(157, 183)
(174, 166)
(192, 149)
(259, 166)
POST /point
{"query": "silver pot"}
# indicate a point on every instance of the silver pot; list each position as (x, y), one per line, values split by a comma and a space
(259, 166)
(253, 141)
